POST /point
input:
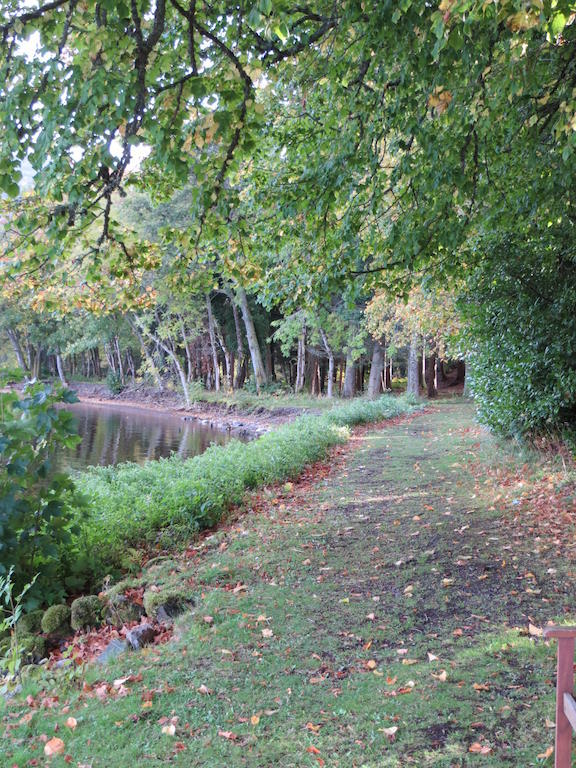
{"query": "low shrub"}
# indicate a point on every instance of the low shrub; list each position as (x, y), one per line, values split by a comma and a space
(86, 612)
(131, 504)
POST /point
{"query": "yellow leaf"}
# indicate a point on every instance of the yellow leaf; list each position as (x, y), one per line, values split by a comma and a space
(254, 719)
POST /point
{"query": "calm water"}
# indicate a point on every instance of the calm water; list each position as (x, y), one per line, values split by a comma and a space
(112, 434)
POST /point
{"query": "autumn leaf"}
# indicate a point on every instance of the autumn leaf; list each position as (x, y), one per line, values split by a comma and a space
(313, 750)
(169, 730)
(53, 747)
(229, 735)
(544, 755)
(255, 719)
(71, 723)
(390, 732)
(267, 633)
(480, 749)
(442, 676)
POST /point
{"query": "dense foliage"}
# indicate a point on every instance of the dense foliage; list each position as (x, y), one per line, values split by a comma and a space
(523, 332)
(40, 510)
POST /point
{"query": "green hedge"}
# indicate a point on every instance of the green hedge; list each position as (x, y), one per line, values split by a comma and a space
(131, 504)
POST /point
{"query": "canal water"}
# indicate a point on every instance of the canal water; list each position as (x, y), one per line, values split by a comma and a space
(113, 434)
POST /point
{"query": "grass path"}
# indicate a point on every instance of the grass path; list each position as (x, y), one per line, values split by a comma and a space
(375, 617)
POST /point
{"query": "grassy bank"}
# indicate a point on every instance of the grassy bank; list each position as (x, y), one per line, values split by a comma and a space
(166, 500)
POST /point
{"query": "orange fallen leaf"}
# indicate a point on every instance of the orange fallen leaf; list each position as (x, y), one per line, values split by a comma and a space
(480, 749)
(53, 747)
(546, 754)
(313, 750)
(71, 723)
(255, 719)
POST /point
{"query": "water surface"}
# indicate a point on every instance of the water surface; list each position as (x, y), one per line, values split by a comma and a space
(113, 434)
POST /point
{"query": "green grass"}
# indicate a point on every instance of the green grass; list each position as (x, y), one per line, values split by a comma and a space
(130, 505)
(399, 553)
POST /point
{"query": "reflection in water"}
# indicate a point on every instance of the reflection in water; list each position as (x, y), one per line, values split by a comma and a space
(111, 435)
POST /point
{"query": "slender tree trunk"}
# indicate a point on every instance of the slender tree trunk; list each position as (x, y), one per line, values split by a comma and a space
(173, 357)
(376, 368)
(301, 361)
(186, 345)
(412, 387)
(240, 369)
(349, 377)
(144, 347)
(119, 357)
(15, 342)
(214, 348)
(60, 369)
(228, 358)
(431, 376)
(252, 339)
(388, 375)
(330, 353)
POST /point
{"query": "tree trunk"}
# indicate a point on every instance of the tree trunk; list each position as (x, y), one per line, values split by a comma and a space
(173, 357)
(149, 359)
(330, 353)
(376, 368)
(240, 369)
(301, 361)
(60, 369)
(252, 339)
(119, 356)
(412, 387)
(349, 388)
(431, 376)
(214, 348)
(388, 375)
(15, 342)
(460, 372)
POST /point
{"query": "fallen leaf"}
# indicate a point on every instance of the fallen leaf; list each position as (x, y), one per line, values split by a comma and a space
(204, 690)
(390, 732)
(534, 630)
(267, 633)
(442, 676)
(229, 735)
(53, 747)
(255, 719)
(544, 755)
(432, 657)
(372, 664)
(313, 750)
(169, 730)
(71, 723)
(481, 749)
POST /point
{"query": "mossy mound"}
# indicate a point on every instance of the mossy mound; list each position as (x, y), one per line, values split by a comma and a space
(56, 620)
(30, 623)
(168, 603)
(86, 612)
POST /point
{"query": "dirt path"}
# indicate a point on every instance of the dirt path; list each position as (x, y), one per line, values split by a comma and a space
(375, 615)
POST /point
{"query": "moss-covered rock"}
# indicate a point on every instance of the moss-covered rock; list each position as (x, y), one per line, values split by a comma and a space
(30, 623)
(56, 620)
(86, 612)
(168, 603)
(120, 610)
